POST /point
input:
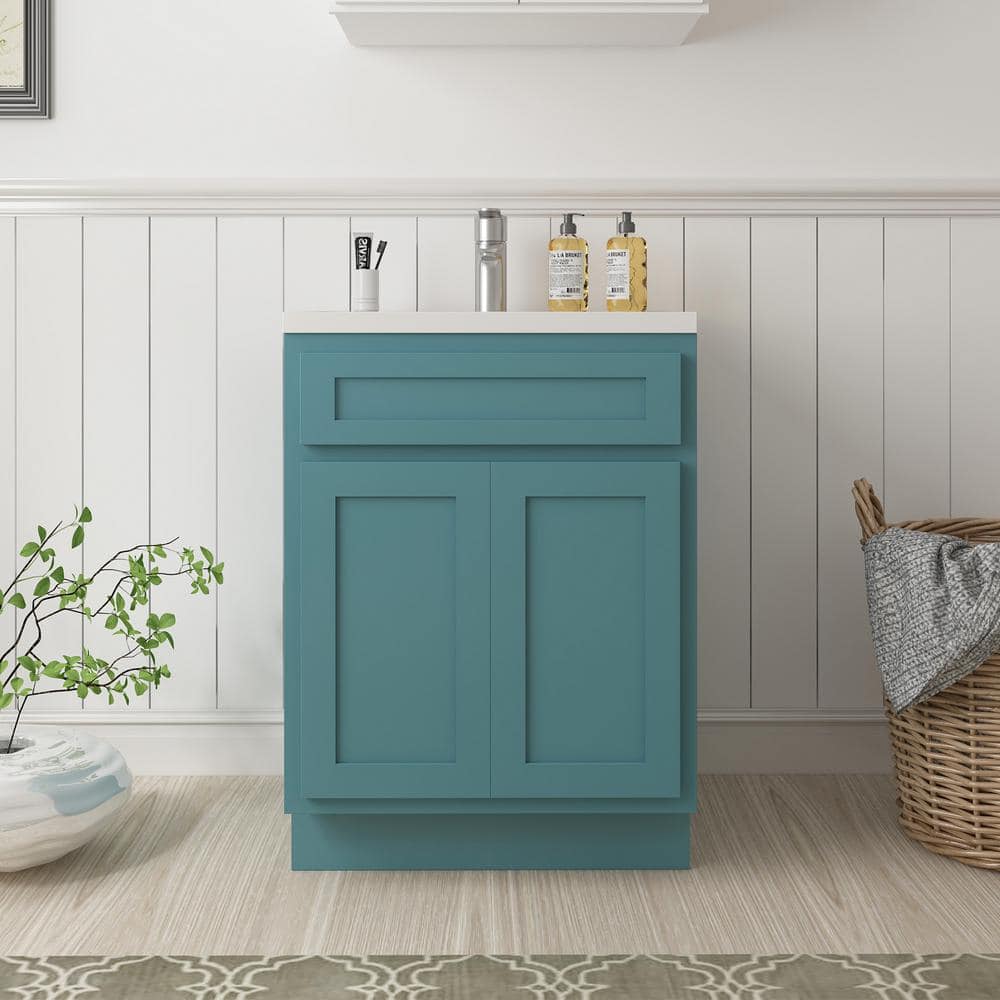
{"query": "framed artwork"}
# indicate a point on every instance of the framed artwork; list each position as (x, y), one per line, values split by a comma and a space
(24, 58)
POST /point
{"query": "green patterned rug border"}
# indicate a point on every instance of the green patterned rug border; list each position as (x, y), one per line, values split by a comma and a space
(505, 977)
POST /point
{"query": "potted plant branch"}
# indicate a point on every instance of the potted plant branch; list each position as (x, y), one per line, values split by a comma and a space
(57, 789)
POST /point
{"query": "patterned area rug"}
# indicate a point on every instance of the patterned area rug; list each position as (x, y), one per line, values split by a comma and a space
(507, 977)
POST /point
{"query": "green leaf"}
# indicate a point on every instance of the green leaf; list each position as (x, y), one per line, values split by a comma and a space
(6, 699)
(111, 621)
(86, 516)
(141, 688)
(29, 549)
(17, 600)
(153, 621)
(77, 536)
(207, 553)
(53, 669)
(167, 620)
(16, 683)
(41, 533)
(81, 691)
(43, 587)
(58, 574)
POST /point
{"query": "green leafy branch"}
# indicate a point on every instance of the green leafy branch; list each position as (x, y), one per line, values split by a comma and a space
(122, 585)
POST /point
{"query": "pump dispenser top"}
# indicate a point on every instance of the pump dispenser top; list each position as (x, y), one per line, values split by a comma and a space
(625, 224)
(568, 227)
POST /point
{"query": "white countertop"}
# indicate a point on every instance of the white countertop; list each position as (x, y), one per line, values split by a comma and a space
(598, 321)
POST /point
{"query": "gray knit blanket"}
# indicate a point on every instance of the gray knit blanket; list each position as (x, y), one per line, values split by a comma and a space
(934, 605)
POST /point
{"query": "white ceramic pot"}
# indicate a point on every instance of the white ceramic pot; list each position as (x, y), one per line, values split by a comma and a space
(56, 793)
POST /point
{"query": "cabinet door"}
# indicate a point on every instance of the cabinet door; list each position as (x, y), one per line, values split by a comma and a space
(585, 627)
(394, 622)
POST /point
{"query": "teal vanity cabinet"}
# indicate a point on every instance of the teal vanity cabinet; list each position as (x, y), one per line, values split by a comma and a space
(490, 568)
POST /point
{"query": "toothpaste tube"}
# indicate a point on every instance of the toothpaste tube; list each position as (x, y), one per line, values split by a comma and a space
(363, 251)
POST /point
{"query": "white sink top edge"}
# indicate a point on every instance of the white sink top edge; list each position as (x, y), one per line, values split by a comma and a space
(499, 322)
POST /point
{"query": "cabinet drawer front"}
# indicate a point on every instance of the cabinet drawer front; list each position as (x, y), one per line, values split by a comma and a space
(394, 629)
(367, 399)
(586, 629)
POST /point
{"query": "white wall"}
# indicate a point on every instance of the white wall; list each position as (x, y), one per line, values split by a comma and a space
(768, 89)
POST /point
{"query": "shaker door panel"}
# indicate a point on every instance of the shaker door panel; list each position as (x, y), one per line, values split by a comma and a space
(585, 627)
(394, 622)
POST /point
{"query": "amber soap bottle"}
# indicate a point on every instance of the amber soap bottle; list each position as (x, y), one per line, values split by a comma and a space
(569, 267)
(626, 259)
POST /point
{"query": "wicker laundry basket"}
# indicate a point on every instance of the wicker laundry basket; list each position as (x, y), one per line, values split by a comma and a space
(947, 749)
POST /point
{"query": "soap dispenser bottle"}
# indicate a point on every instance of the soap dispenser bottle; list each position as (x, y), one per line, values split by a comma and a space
(626, 268)
(569, 268)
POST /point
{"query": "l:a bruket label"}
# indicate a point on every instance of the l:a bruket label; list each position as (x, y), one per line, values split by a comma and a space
(565, 274)
(618, 274)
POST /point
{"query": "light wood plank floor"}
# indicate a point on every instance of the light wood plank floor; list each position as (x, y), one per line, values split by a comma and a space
(201, 865)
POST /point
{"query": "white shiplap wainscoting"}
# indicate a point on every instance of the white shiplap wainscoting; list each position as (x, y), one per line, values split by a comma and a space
(841, 333)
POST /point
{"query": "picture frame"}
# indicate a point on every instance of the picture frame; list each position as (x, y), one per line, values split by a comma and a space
(25, 28)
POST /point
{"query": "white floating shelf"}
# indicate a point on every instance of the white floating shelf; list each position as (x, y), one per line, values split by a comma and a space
(507, 22)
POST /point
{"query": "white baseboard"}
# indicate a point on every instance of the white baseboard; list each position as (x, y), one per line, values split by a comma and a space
(175, 743)
(743, 741)
(755, 741)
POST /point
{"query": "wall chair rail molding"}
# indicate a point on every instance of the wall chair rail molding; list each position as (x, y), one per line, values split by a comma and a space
(390, 196)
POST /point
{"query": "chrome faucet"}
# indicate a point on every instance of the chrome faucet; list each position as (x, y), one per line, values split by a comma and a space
(491, 261)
